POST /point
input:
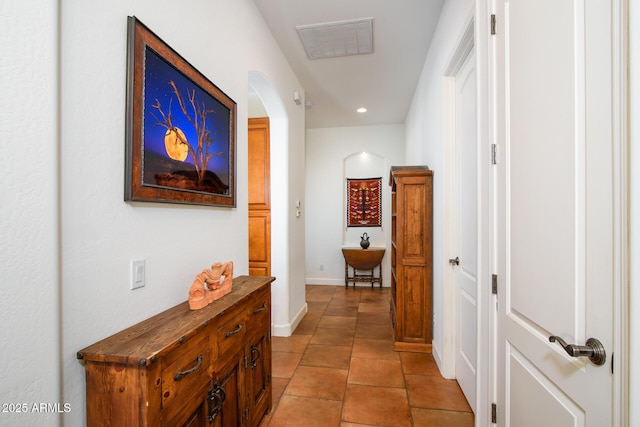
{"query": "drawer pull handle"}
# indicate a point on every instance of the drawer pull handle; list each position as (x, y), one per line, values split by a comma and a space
(263, 308)
(182, 374)
(235, 331)
(254, 361)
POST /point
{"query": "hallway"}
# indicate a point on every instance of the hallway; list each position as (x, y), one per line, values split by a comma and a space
(339, 369)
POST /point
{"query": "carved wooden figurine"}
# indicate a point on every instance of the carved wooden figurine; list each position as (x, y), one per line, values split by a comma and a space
(211, 285)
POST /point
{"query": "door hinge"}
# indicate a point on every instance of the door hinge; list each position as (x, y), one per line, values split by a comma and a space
(494, 284)
(493, 24)
(494, 154)
(494, 413)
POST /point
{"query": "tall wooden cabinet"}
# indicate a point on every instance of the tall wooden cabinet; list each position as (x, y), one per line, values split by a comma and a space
(411, 257)
(208, 367)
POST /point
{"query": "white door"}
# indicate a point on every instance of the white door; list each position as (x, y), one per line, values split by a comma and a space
(466, 228)
(555, 223)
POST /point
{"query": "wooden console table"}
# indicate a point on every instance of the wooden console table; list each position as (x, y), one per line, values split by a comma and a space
(209, 367)
(363, 260)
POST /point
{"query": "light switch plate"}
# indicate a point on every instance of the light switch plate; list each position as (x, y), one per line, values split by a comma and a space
(137, 274)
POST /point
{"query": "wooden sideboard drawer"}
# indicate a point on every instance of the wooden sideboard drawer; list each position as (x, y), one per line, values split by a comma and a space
(230, 336)
(260, 309)
(185, 368)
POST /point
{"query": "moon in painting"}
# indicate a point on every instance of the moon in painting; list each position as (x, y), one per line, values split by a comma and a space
(176, 144)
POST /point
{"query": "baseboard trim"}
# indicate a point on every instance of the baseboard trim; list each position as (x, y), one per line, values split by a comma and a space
(287, 329)
(319, 281)
(438, 359)
(339, 282)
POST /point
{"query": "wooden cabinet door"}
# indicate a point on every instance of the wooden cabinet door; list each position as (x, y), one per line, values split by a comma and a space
(230, 379)
(259, 198)
(259, 377)
(193, 412)
(259, 243)
(198, 418)
(414, 296)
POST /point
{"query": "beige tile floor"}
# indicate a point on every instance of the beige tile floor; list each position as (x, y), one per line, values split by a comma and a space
(339, 369)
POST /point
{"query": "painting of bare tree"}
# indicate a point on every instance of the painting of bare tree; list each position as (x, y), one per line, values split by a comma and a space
(181, 134)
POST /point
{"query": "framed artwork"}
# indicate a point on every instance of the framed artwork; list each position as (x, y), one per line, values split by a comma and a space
(181, 128)
(364, 202)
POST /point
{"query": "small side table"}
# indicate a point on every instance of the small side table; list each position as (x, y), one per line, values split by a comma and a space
(363, 260)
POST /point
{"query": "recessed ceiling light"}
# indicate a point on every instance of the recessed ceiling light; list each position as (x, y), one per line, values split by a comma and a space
(361, 110)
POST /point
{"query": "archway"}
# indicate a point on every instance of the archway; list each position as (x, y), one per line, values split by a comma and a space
(279, 137)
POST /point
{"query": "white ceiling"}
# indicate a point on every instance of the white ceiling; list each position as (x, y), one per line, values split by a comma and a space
(384, 81)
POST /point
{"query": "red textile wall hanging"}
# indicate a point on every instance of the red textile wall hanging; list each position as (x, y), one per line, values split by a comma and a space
(364, 202)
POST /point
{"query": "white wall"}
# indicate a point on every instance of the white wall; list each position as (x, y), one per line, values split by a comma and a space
(77, 265)
(424, 129)
(285, 205)
(287, 227)
(327, 151)
(29, 263)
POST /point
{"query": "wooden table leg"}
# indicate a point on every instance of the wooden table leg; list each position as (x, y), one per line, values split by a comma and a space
(346, 274)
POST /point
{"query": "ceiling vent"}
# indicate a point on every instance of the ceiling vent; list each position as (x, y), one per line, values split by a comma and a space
(332, 39)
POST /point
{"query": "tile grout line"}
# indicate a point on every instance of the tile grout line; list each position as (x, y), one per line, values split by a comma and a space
(333, 306)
